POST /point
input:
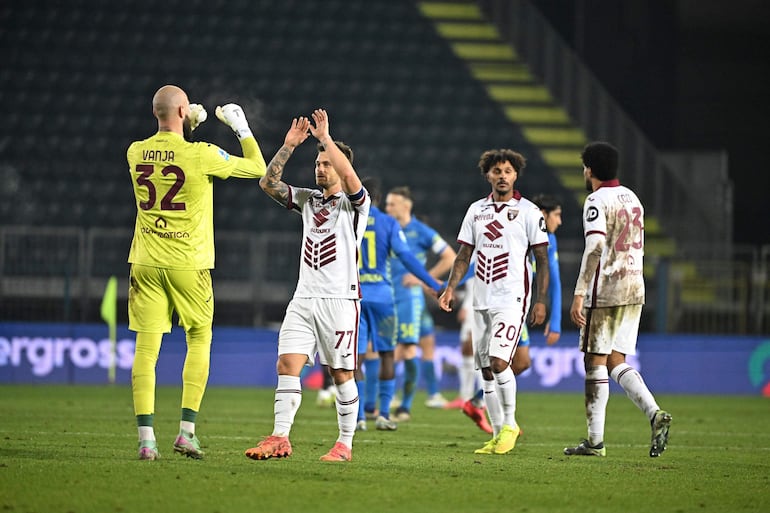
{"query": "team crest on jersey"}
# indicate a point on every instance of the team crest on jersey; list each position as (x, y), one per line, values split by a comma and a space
(512, 214)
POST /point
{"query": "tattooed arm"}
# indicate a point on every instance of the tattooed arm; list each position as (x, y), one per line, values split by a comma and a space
(271, 183)
(537, 315)
(459, 268)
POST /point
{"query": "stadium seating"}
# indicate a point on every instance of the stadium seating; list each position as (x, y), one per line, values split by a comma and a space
(77, 81)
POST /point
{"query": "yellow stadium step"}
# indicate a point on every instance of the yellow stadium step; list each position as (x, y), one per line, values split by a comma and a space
(497, 72)
(519, 93)
(556, 136)
(527, 115)
(466, 30)
(450, 10)
(484, 51)
(684, 270)
(560, 157)
(572, 178)
(652, 226)
(700, 293)
(526, 102)
(659, 246)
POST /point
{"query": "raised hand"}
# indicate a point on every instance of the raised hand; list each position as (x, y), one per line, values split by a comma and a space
(297, 133)
(321, 129)
(197, 115)
(232, 115)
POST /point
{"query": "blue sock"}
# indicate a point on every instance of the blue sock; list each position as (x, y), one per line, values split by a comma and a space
(387, 389)
(372, 370)
(361, 385)
(429, 371)
(411, 375)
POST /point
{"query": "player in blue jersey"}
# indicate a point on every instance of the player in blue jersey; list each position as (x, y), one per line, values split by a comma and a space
(383, 237)
(551, 209)
(415, 324)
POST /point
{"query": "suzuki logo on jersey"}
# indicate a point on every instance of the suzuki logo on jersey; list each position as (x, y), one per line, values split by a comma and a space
(493, 230)
(321, 217)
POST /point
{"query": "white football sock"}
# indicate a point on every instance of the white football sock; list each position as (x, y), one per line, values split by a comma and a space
(495, 410)
(288, 397)
(347, 410)
(467, 377)
(597, 394)
(146, 433)
(506, 388)
(636, 390)
(187, 426)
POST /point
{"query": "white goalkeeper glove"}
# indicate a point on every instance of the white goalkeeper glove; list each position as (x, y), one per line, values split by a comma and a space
(197, 115)
(232, 115)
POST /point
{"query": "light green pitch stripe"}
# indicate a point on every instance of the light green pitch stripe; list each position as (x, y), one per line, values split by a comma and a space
(450, 11)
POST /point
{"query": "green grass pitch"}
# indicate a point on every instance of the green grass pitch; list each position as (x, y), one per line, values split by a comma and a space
(72, 449)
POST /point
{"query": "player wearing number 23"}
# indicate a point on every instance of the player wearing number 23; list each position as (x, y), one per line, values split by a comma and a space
(172, 250)
(609, 294)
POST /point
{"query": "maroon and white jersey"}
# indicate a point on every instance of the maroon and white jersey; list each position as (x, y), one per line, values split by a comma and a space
(613, 224)
(502, 235)
(332, 230)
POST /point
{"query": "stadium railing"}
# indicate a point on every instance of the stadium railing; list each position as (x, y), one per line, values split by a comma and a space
(59, 275)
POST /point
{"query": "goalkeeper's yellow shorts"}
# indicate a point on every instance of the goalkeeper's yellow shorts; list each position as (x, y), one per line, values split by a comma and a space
(154, 294)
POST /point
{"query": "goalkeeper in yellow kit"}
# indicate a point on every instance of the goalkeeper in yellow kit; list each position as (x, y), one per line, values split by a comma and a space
(172, 251)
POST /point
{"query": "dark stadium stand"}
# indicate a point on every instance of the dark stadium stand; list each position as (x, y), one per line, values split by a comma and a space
(76, 87)
(77, 81)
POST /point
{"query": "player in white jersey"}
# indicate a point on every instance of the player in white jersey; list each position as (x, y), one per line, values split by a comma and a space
(502, 229)
(323, 315)
(609, 294)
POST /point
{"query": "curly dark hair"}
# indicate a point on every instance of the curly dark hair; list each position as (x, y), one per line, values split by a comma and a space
(491, 157)
(602, 158)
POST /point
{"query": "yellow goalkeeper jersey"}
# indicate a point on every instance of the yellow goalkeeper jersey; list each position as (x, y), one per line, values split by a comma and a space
(174, 192)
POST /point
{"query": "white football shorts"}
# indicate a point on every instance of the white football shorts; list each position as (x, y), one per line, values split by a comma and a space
(327, 326)
(613, 328)
(496, 332)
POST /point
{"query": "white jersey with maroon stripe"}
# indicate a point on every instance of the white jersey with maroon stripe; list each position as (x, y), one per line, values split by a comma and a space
(332, 230)
(615, 213)
(502, 235)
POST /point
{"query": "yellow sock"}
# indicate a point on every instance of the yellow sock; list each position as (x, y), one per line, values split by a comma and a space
(143, 372)
(195, 373)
